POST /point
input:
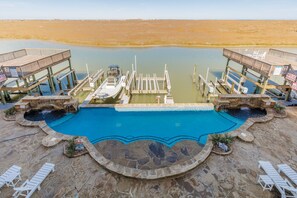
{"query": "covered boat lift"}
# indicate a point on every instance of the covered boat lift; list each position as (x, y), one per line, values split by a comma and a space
(262, 64)
(23, 65)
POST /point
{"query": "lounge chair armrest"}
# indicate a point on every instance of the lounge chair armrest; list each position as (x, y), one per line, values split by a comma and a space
(22, 186)
(292, 189)
(289, 183)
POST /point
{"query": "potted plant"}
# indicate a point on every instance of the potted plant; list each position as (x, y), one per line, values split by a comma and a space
(74, 148)
(222, 143)
(10, 113)
(279, 108)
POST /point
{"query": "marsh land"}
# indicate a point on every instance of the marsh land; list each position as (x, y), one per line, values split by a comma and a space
(146, 33)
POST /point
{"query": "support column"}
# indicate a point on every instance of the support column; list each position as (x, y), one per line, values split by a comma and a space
(73, 75)
(60, 85)
(50, 80)
(264, 85)
(227, 64)
(27, 85)
(288, 95)
(52, 76)
(68, 82)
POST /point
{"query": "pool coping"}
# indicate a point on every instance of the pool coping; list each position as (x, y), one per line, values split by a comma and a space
(151, 174)
(161, 107)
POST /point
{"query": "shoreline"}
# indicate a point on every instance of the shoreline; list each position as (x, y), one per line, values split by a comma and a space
(160, 45)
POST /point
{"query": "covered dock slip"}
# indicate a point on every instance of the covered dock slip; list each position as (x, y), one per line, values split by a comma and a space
(23, 71)
(258, 67)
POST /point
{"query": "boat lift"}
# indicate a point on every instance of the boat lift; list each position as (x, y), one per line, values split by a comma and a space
(207, 89)
(148, 84)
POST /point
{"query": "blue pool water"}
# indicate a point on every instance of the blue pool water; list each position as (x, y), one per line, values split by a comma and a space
(167, 127)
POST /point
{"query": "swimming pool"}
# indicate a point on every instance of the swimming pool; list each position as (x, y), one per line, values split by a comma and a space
(166, 127)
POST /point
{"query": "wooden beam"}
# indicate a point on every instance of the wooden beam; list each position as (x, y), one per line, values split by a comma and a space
(259, 84)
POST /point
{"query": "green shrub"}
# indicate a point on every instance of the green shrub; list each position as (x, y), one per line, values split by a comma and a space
(10, 112)
(279, 108)
(70, 149)
(226, 139)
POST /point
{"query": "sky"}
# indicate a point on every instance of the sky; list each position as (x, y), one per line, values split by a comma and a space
(148, 9)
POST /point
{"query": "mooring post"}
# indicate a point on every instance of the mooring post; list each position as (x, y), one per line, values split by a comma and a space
(194, 75)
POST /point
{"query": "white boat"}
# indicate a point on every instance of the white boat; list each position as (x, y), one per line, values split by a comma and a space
(112, 85)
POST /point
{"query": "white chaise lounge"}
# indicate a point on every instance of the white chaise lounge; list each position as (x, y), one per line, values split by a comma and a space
(29, 186)
(284, 186)
(288, 171)
(11, 177)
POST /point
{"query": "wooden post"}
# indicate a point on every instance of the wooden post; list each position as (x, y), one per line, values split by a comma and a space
(206, 77)
(194, 75)
(203, 88)
(264, 85)
(50, 80)
(39, 90)
(232, 88)
(60, 85)
(52, 77)
(208, 97)
(73, 75)
(226, 75)
(68, 82)
(27, 85)
(227, 64)
(288, 95)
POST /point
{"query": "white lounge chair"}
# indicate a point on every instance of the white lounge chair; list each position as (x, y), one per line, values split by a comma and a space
(29, 186)
(285, 188)
(288, 171)
(11, 177)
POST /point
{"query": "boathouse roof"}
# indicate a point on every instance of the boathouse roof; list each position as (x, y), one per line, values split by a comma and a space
(25, 62)
(267, 62)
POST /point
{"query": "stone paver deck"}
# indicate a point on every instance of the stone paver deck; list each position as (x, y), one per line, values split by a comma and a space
(234, 175)
(147, 155)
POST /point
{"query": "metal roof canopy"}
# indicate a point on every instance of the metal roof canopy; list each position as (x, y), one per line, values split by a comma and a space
(25, 62)
(266, 62)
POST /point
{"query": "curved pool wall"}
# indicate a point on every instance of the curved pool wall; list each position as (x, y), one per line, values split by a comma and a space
(128, 125)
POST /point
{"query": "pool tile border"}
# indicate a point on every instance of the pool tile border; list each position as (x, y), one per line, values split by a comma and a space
(169, 171)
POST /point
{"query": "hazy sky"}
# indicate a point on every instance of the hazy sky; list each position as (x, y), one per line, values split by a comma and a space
(148, 9)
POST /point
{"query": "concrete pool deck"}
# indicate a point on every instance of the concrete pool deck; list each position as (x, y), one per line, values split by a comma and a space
(219, 176)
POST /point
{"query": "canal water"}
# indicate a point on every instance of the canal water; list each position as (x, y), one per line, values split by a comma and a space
(180, 62)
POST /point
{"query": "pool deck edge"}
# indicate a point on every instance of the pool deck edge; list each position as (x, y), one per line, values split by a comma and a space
(54, 138)
(198, 106)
